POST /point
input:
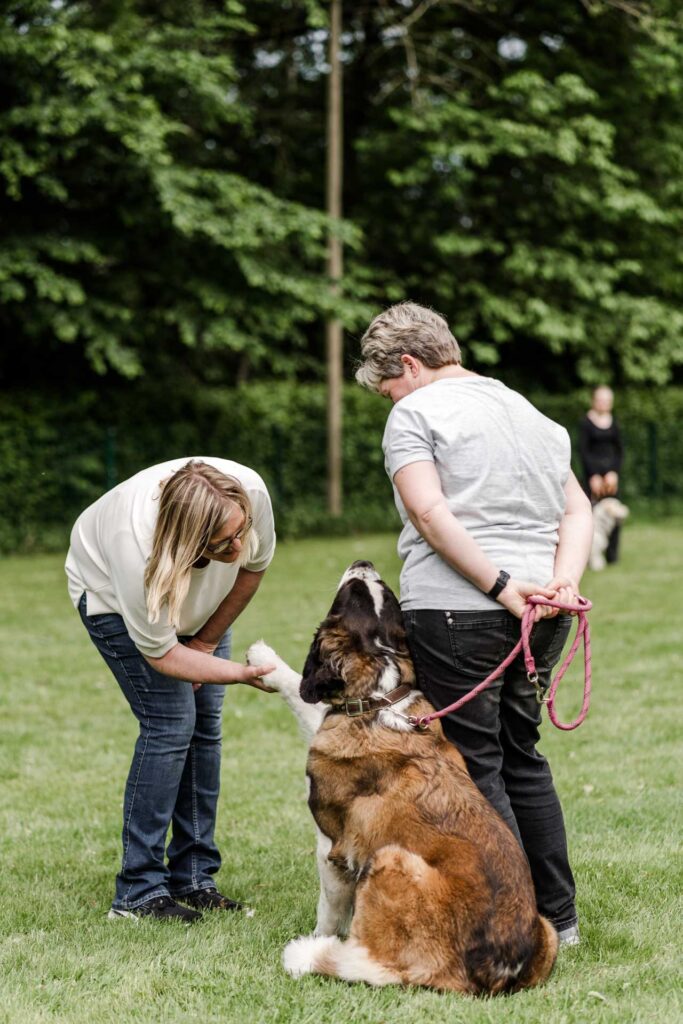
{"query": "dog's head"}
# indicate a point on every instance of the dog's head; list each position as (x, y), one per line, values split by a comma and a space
(361, 642)
(612, 509)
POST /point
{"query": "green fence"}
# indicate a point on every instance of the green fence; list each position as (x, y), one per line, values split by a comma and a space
(57, 454)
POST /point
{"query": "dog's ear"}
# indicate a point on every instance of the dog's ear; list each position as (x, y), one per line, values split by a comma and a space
(320, 686)
(318, 681)
(392, 628)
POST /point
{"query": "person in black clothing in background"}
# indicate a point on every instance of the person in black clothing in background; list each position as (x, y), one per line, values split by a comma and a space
(601, 450)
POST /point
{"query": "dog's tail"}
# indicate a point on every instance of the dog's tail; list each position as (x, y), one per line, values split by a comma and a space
(543, 960)
(326, 954)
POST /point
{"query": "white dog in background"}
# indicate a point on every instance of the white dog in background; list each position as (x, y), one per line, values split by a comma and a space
(607, 514)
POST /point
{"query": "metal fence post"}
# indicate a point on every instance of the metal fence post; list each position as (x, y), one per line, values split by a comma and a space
(278, 466)
(653, 459)
(110, 473)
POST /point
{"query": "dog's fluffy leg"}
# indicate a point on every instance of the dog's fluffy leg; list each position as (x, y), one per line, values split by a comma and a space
(335, 904)
(328, 955)
(597, 562)
(286, 681)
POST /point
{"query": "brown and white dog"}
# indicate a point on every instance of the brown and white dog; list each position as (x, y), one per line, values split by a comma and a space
(415, 865)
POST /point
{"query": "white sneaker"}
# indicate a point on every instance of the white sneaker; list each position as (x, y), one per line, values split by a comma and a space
(570, 936)
(114, 915)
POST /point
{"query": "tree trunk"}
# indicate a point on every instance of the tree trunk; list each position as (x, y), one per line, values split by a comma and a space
(334, 338)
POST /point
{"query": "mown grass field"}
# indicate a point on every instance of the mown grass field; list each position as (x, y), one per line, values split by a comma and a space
(66, 738)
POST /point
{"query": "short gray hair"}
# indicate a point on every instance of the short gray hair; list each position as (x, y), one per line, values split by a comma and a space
(409, 329)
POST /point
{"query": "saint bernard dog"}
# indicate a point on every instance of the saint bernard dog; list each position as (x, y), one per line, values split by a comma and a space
(421, 881)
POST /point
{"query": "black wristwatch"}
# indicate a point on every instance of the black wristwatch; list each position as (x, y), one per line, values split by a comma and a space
(499, 585)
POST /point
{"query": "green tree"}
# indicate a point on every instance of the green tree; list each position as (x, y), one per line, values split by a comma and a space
(517, 166)
(133, 230)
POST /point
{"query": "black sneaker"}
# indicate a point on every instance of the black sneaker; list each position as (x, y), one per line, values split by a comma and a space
(164, 908)
(210, 899)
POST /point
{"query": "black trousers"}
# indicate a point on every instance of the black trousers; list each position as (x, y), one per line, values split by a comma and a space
(497, 731)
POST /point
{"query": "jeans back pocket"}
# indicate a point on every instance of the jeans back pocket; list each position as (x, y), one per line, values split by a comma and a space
(479, 641)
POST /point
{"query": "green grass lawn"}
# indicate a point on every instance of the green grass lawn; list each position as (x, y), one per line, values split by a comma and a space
(65, 745)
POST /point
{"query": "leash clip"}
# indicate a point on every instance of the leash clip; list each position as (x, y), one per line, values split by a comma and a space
(540, 692)
(418, 723)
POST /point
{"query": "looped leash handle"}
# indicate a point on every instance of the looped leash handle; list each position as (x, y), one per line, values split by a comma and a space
(582, 606)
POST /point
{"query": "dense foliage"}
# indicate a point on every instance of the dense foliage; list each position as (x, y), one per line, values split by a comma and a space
(57, 455)
(134, 229)
(517, 166)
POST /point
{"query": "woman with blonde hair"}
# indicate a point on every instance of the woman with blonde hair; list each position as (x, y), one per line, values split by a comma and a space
(602, 452)
(159, 568)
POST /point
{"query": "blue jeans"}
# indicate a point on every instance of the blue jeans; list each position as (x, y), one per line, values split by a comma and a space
(497, 731)
(174, 777)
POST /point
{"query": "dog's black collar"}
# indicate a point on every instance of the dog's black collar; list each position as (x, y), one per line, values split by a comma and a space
(355, 707)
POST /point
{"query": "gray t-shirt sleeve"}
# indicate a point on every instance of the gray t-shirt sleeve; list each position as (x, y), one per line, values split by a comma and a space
(407, 438)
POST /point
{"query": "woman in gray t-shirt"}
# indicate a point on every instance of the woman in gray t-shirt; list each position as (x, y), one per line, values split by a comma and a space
(491, 514)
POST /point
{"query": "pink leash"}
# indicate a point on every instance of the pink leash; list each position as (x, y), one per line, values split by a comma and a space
(583, 631)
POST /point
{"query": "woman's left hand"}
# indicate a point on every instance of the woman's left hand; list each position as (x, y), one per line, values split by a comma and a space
(597, 486)
(566, 591)
(515, 592)
(611, 482)
(195, 644)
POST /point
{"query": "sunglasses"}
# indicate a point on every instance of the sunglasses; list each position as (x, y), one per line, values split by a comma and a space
(224, 546)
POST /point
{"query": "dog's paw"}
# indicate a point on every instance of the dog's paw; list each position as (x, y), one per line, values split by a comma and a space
(261, 654)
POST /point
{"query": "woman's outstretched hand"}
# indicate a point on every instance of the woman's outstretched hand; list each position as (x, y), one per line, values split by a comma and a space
(249, 674)
(197, 667)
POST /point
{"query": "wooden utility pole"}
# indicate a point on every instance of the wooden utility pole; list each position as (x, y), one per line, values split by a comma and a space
(333, 332)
